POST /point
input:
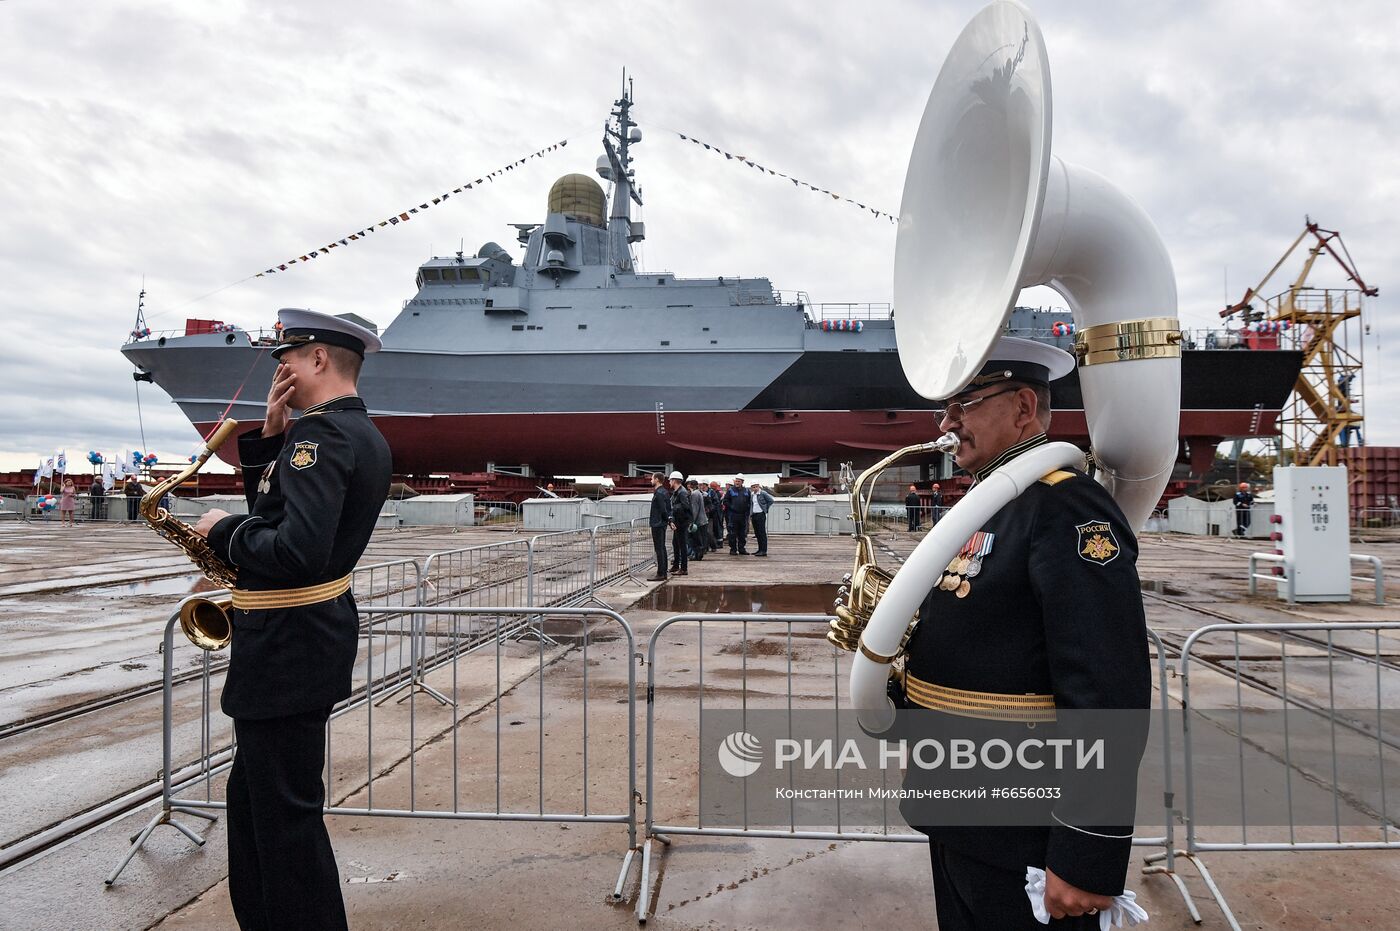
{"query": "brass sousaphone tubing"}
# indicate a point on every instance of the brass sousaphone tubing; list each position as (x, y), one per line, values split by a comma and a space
(1129, 340)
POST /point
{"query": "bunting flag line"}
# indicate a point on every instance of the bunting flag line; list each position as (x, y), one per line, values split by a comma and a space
(406, 215)
(796, 182)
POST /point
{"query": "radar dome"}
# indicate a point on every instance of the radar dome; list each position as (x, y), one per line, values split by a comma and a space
(580, 197)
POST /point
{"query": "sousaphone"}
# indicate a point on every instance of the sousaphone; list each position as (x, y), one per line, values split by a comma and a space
(987, 211)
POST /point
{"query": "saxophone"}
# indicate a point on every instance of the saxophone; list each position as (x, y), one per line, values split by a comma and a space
(863, 586)
(205, 622)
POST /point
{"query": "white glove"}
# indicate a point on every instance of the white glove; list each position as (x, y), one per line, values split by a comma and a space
(1124, 913)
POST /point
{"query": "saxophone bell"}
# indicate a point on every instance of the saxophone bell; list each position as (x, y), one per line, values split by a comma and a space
(206, 622)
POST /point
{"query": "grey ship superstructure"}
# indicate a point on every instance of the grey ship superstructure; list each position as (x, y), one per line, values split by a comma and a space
(576, 362)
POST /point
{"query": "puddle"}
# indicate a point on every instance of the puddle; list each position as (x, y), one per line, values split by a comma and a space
(171, 585)
(741, 599)
(1158, 587)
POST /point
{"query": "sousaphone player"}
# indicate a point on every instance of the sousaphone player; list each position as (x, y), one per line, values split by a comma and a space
(1026, 591)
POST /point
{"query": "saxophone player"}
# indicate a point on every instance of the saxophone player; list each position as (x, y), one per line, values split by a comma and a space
(314, 492)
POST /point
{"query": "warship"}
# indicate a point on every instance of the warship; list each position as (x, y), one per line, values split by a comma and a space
(575, 361)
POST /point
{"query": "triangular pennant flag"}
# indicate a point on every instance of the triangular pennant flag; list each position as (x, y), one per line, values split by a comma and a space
(394, 220)
(469, 187)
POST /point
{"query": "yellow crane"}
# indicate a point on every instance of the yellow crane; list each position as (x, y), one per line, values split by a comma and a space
(1324, 412)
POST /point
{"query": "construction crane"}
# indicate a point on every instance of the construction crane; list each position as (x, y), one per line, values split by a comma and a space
(1324, 412)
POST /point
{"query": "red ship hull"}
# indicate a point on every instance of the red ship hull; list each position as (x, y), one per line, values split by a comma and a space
(709, 441)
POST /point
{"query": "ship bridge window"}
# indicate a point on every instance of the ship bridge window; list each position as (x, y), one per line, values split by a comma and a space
(428, 274)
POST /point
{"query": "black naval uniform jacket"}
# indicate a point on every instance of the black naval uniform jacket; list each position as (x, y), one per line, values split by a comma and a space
(1053, 611)
(314, 495)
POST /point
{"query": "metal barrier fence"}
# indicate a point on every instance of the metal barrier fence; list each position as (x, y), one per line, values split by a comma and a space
(1362, 518)
(619, 550)
(504, 513)
(414, 767)
(387, 588)
(827, 668)
(1327, 752)
(110, 508)
(1279, 573)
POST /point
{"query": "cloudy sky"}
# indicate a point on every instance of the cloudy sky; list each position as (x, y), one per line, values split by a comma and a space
(186, 146)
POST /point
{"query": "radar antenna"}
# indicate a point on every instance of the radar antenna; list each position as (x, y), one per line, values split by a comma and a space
(619, 134)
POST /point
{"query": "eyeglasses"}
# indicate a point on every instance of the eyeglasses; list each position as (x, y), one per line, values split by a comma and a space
(958, 409)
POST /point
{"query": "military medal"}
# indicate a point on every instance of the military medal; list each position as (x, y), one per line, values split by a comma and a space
(964, 588)
(979, 546)
(265, 483)
(950, 582)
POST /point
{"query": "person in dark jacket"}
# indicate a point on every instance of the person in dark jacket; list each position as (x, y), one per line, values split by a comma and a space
(1244, 504)
(736, 516)
(1042, 610)
(680, 525)
(659, 520)
(97, 499)
(133, 492)
(314, 489)
(935, 505)
(699, 521)
(715, 509)
(912, 504)
(760, 501)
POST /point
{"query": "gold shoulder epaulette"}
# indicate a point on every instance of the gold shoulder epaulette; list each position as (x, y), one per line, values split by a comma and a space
(1054, 478)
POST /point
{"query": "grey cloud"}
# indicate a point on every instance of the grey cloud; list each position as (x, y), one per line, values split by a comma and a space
(197, 145)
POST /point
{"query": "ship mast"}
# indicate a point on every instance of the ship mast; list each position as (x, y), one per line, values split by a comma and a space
(616, 166)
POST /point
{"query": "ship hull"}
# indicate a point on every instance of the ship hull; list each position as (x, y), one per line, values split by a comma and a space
(701, 441)
(590, 413)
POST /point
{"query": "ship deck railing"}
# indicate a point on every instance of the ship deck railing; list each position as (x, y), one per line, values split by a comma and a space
(1192, 339)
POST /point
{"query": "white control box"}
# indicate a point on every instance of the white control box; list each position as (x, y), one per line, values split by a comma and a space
(1311, 517)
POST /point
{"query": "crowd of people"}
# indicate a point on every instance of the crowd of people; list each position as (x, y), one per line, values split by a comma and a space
(701, 519)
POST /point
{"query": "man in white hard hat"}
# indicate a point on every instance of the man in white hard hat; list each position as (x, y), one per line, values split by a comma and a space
(1040, 614)
(680, 525)
(315, 486)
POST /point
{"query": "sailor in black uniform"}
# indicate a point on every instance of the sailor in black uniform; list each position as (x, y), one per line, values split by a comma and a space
(1042, 610)
(314, 494)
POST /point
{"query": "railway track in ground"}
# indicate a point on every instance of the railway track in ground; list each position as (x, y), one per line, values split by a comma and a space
(22, 850)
